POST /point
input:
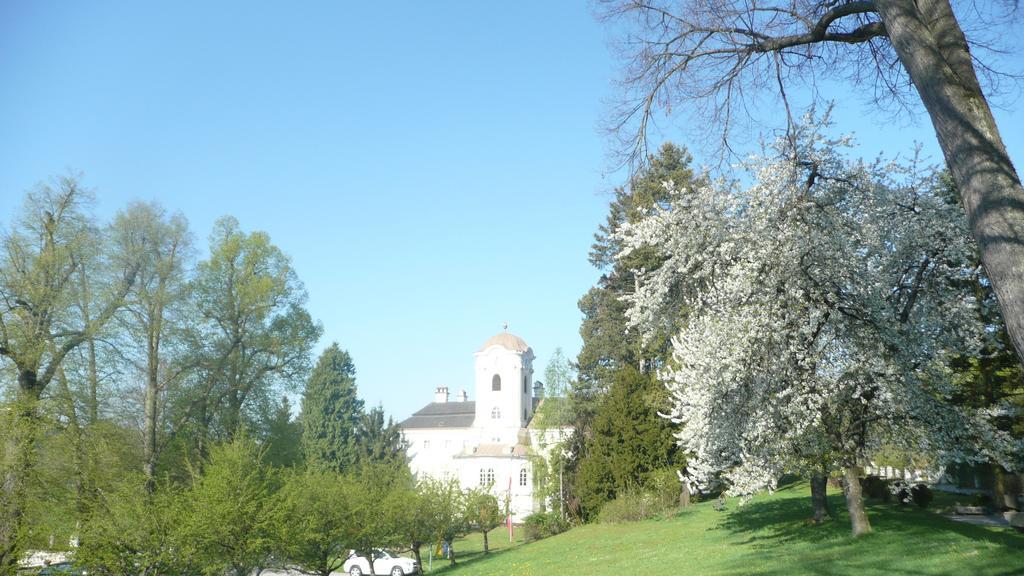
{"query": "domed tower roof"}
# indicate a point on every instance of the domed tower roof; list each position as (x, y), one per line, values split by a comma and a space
(508, 341)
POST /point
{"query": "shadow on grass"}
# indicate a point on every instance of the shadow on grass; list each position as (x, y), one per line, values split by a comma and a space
(906, 539)
(464, 559)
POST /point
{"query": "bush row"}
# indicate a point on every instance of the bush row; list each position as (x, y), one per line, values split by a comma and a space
(885, 490)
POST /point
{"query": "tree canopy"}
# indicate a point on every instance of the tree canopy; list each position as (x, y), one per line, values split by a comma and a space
(716, 58)
(824, 303)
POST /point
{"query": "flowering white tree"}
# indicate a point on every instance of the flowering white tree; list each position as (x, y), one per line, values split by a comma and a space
(823, 300)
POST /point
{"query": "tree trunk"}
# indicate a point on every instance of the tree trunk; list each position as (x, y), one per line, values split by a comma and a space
(94, 383)
(419, 561)
(855, 502)
(149, 426)
(232, 414)
(819, 498)
(451, 552)
(92, 404)
(485, 541)
(684, 495)
(933, 50)
(79, 457)
(1005, 489)
(17, 467)
(203, 418)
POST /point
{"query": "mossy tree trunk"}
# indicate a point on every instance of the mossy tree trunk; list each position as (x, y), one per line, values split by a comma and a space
(859, 522)
(819, 498)
(933, 50)
(416, 553)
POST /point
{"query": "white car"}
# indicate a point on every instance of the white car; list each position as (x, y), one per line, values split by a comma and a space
(384, 562)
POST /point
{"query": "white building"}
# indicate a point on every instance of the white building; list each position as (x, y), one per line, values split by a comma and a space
(487, 441)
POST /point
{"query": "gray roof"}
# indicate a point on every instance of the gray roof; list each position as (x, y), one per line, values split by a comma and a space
(442, 415)
(496, 451)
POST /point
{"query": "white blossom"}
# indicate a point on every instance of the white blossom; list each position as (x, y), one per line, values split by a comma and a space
(823, 301)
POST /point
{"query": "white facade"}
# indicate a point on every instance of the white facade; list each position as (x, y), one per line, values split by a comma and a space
(485, 441)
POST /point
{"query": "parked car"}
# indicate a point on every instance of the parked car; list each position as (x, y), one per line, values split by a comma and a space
(384, 562)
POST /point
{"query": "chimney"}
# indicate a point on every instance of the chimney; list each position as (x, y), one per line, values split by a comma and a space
(441, 394)
(463, 396)
(538, 389)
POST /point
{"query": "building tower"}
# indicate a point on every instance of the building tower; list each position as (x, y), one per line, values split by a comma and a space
(504, 392)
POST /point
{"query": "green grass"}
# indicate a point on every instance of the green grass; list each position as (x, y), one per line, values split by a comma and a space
(768, 535)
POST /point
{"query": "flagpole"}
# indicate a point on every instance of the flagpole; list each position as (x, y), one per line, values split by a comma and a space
(509, 509)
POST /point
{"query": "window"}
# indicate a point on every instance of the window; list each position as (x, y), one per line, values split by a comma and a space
(495, 413)
(486, 476)
(524, 383)
(496, 383)
(522, 477)
(447, 443)
(426, 443)
(524, 414)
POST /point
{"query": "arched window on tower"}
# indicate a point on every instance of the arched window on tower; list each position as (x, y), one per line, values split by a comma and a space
(522, 477)
(496, 383)
(495, 413)
(524, 383)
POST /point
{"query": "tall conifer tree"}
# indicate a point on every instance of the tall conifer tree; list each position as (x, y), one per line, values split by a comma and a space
(380, 441)
(331, 412)
(283, 443)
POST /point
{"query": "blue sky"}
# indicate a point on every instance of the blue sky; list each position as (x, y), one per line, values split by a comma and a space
(434, 169)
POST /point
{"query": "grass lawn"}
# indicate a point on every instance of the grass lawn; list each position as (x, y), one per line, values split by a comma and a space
(768, 535)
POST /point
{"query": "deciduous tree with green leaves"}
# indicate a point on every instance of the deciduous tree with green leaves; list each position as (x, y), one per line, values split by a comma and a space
(422, 516)
(254, 335)
(154, 316)
(450, 519)
(231, 520)
(483, 512)
(378, 503)
(40, 258)
(134, 531)
(315, 519)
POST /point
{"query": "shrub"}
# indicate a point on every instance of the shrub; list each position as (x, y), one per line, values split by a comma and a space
(922, 495)
(631, 505)
(230, 522)
(901, 490)
(983, 499)
(543, 524)
(875, 487)
(665, 486)
(131, 532)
